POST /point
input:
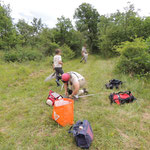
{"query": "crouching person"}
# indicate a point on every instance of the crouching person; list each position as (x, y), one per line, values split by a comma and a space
(76, 82)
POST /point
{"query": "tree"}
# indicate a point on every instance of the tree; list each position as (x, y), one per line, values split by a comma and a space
(145, 31)
(37, 27)
(8, 36)
(47, 41)
(76, 42)
(64, 28)
(117, 28)
(65, 34)
(29, 34)
(25, 32)
(87, 19)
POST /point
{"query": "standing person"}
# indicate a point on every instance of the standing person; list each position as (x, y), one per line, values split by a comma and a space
(84, 54)
(76, 81)
(57, 65)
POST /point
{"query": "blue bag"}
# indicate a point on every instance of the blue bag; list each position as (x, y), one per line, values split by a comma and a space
(83, 133)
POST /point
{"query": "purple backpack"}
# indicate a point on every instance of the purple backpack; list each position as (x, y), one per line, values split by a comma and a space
(83, 133)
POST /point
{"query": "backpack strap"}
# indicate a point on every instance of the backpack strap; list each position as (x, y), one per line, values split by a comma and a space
(74, 129)
(70, 131)
(111, 98)
(74, 74)
(122, 101)
(127, 92)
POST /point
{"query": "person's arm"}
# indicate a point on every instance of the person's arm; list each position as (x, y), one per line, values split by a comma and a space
(60, 61)
(66, 87)
(76, 89)
(82, 53)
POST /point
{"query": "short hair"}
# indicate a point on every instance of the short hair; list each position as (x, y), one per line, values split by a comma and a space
(57, 51)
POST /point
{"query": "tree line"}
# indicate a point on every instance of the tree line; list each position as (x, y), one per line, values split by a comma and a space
(101, 33)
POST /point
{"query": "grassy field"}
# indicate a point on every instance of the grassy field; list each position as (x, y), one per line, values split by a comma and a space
(25, 119)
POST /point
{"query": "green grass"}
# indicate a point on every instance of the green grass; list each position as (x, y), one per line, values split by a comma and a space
(25, 119)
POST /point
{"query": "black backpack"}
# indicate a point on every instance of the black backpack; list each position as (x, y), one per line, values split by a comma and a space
(83, 133)
(113, 83)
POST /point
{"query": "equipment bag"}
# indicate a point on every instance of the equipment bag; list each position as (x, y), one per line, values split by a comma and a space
(113, 83)
(121, 97)
(83, 133)
(63, 111)
(52, 97)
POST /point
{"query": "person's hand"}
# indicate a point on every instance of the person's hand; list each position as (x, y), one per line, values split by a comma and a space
(70, 96)
(66, 93)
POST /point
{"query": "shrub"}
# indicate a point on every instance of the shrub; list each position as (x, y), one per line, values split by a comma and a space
(49, 49)
(112, 37)
(22, 54)
(135, 58)
(11, 56)
(76, 42)
(106, 46)
(67, 53)
(32, 55)
(148, 43)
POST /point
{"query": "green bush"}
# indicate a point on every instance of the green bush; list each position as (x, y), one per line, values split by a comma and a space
(22, 54)
(135, 58)
(49, 49)
(76, 42)
(106, 46)
(148, 43)
(32, 55)
(67, 53)
(11, 56)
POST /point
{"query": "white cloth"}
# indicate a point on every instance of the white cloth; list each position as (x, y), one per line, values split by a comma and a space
(57, 59)
(85, 55)
(84, 51)
(80, 92)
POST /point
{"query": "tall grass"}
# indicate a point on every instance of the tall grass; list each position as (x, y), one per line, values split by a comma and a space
(25, 119)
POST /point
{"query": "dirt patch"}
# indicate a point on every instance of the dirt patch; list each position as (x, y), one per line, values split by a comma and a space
(36, 74)
(21, 82)
(123, 134)
(146, 116)
(3, 130)
(130, 142)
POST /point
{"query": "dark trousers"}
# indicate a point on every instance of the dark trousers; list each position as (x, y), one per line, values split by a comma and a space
(59, 72)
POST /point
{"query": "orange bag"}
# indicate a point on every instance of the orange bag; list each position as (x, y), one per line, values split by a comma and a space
(63, 112)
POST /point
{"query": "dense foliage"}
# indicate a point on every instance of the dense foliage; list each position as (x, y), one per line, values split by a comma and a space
(22, 54)
(101, 33)
(87, 19)
(135, 57)
(8, 37)
(67, 53)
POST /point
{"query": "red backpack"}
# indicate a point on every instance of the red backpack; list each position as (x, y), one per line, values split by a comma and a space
(52, 97)
(121, 97)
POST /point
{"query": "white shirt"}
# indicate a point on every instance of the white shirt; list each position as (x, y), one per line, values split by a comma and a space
(57, 59)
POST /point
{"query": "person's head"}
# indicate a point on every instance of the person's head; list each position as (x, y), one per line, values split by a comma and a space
(58, 51)
(65, 77)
